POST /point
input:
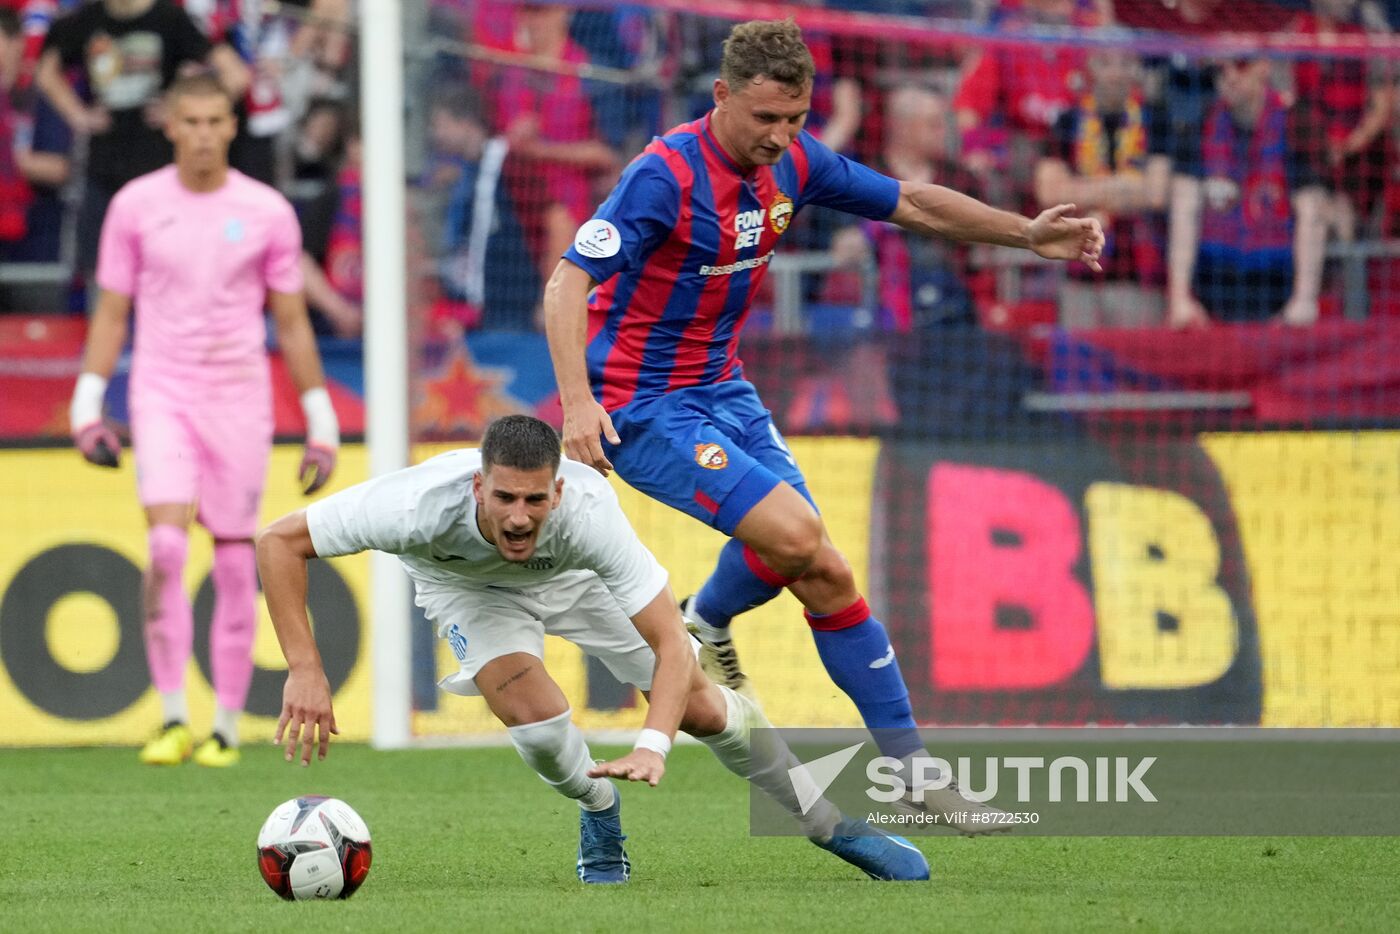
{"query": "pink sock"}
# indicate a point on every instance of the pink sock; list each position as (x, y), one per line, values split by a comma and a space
(235, 622)
(169, 623)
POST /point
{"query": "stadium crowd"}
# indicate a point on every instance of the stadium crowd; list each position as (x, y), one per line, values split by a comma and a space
(1231, 183)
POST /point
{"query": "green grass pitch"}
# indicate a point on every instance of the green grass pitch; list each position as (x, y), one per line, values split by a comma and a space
(469, 840)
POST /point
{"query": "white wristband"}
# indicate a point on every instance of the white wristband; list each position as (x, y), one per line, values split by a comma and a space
(655, 740)
(322, 427)
(86, 407)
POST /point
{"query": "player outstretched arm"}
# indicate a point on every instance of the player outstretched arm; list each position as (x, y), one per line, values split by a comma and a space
(105, 337)
(566, 327)
(661, 626)
(283, 550)
(298, 343)
(933, 209)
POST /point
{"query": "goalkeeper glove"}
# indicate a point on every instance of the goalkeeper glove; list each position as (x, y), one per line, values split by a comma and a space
(95, 441)
(322, 440)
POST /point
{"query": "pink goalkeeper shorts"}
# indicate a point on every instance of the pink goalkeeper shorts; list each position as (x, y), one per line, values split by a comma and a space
(212, 455)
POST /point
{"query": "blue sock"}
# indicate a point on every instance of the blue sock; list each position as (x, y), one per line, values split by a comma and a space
(740, 582)
(734, 586)
(878, 692)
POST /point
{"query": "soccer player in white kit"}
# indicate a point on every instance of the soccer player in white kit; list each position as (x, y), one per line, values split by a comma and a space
(505, 544)
(200, 249)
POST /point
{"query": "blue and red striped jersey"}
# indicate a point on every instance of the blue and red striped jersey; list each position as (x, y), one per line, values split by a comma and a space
(679, 249)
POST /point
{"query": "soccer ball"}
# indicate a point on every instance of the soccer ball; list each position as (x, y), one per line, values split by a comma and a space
(314, 847)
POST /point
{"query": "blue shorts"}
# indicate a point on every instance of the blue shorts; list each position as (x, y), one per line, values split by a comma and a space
(710, 451)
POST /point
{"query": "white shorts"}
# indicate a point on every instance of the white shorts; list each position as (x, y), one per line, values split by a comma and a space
(484, 623)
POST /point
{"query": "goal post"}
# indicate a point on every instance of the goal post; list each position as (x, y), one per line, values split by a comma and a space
(386, 344)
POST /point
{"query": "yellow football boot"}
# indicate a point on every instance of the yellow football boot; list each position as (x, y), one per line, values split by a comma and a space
(214, 753)
(172, 745)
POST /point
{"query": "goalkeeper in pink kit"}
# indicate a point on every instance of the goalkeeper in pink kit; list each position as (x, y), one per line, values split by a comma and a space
(199, 250)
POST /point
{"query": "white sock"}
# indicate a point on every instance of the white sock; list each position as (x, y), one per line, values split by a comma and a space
(766, 765)
(556, 750)
(600, 797)
(173, 707)
(706, 633)
(711, 635)
(226, 724)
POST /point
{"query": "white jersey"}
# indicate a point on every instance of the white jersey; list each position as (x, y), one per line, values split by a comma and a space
(426, 515)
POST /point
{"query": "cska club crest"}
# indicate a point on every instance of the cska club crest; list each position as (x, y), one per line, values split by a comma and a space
(711, 456)
(780, 213)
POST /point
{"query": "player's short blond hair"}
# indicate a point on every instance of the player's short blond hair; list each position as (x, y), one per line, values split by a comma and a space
(770, 49)
(198, 84)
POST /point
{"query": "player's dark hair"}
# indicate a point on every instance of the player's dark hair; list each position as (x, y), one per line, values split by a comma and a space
(522, 442)
(767, 49)
(330, 105)
(198, 84)
(10, 23)
(460, 103)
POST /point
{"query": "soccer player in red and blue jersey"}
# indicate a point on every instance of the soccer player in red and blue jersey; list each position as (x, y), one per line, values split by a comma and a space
(673, 259)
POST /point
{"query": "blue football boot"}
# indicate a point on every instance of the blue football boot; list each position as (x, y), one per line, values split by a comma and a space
(601, 858)
(882, 856)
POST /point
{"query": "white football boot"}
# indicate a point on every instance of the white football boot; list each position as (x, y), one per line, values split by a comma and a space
(965, 815)
(718, 659)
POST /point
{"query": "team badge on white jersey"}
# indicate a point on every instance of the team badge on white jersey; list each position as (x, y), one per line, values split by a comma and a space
(597, 239)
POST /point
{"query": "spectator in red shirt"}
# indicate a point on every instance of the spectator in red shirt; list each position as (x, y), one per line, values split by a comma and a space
(35, 17)
(1110, 158)
(1352, 102)
(545, 115)
(15, 194)
(34, 167)
(1202, 18)
(1008, 100)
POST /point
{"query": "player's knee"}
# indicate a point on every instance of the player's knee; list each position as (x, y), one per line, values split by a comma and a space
(705, 712)
(168, 546)
(832, 567)
(543, 740)
(792, 550)
(235, 565)
(526, 712)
